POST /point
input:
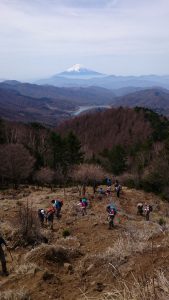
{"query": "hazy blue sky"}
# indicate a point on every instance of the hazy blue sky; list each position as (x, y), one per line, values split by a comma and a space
(39, 38)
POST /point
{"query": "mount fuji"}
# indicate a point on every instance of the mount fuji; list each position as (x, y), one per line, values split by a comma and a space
(79, 71)
(76, 73)
(78, 76)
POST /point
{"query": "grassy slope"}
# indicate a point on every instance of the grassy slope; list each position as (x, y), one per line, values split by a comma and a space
(106, 257)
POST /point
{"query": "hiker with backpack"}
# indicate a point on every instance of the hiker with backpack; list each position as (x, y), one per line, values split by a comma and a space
(2, 257)
(112, 211)
(108, 182)
(147, 209)
(108, 190)
(101, 191)
(117, 188)
(57, 204)
(41, 216)
(50, 216)
(140, 209)
(83, 205)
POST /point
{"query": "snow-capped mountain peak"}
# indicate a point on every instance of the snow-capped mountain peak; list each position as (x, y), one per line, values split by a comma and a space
(79, 71)
(75, 68)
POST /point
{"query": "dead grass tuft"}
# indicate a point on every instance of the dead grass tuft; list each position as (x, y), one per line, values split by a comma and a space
(29, 230)
(140, 289)
(15, 295)
(29, 268)
(123, 247)
(7, 228)
(57, 254)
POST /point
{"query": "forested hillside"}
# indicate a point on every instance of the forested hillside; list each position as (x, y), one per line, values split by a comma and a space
(103, 130)
(32, 153)
(156, 99)
(123, 140)
(21, 108)
(132, 143)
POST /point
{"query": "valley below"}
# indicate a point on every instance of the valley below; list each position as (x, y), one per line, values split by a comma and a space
(91, 108)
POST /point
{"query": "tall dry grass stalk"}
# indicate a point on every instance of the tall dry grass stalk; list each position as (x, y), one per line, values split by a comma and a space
(137, 290)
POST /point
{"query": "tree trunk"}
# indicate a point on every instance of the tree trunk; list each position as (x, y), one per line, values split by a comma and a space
(84, 189)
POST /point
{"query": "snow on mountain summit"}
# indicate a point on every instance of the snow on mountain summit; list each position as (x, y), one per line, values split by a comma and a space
(75, 68)
(79, 70)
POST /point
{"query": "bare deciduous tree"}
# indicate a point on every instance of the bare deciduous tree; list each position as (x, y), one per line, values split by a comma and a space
(44, 176)
(16, 163)
(88, 174)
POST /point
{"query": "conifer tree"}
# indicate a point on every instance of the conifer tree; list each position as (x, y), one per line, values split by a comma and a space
(74, 155)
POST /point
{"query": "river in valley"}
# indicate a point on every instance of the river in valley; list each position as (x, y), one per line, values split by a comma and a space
(82, 109)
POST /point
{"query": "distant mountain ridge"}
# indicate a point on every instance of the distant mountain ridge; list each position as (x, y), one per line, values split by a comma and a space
(77, 96)
(49, 105)
(109, 82)
(21, 108)
(156, 99)
(79, 76)
(27, 102)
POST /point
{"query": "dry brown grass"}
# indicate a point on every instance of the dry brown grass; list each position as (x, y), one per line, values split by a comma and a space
(15, 295)
(57, 254)
(156, 288)
(124, 247)
(134, 240)
(7, 228)
(109, 257)
(28, 268)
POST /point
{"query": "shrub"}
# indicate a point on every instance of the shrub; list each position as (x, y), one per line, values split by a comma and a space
(89, 174)
(55, 253)
(162, 222)
(29, 231)
(66, 233)
(44, 176)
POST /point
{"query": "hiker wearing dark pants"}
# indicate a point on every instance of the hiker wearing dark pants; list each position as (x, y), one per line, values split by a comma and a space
(108, 182)
(140, 209)
(41, 215)
(147, 210)
(57, 204)
(117, 188)
(111, 221)
(111, 209)
(50, 216)
(2, 257)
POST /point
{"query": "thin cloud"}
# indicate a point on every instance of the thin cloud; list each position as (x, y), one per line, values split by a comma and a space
(38, 30)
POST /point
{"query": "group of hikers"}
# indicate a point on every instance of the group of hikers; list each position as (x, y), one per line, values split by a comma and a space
(111, 209)
(144, 210)
(108, 190)
(46, 216)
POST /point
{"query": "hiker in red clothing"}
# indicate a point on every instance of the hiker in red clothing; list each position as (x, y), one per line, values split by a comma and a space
(83, 204)
(50, 216)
